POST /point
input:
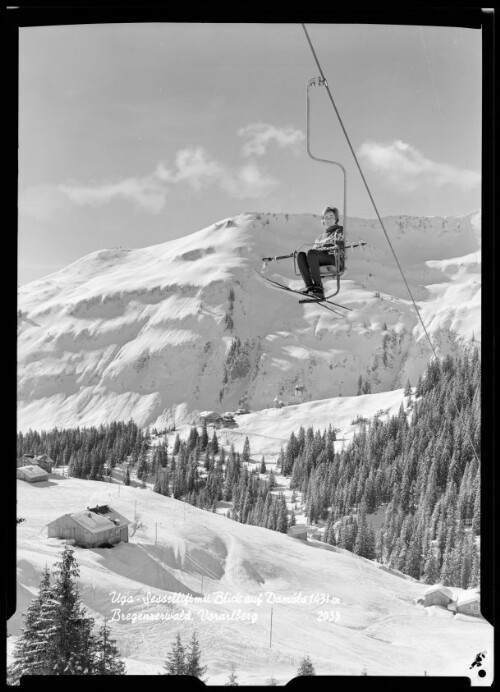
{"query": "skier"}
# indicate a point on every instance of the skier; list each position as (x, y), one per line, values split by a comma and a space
(309, 263)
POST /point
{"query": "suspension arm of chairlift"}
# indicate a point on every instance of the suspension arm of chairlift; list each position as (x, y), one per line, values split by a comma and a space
(319, 81)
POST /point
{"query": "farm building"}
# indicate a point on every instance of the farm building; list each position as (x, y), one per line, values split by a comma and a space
(25, 460)
(298, 532)
(91, 528)
(228, 419)
(469, 604)
(45, 462)
(32, 474)
(210, 417)
(438, 595)
(42, 460)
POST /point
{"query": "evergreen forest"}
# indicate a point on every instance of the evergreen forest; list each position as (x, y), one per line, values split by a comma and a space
(420, 469)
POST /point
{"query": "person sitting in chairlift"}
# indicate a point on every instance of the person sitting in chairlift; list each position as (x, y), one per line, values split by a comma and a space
(321, 254)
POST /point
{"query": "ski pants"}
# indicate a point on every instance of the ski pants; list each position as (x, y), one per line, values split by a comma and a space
(309, 264)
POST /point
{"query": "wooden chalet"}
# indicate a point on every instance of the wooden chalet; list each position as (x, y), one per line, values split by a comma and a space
(32, 474)
(438, 595)
(25, 460)
(45, 462)
(298, 531)
(91, 528)
(469, 604)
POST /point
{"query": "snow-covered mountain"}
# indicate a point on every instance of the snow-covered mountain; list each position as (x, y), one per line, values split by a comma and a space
(187, 325)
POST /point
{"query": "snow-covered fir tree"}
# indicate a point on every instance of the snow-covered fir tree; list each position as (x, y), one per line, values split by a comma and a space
(306, 667)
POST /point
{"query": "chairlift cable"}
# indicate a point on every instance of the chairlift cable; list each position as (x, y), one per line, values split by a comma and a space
(367, 187)
(377, 212)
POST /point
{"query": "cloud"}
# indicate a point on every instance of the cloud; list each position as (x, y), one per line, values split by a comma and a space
(249, 181)
(261, 134)
(406, 169)
(147, 193)
(193, 166)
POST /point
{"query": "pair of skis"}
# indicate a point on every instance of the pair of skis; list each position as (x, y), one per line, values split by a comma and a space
(319, 301)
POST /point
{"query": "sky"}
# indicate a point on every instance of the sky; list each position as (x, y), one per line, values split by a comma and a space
(135, 134)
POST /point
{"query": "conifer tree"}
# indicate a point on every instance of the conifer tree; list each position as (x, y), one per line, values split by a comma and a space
(157, 485)
(193, 665)
(272, 480)
(143, 466)
(204, 437)
(58, 638)
(282, 517)
(263, 465)
(431, 569)
(306, 667)
(214, 444)
(29, 652)
(164, 484)
(176, 659)
(108, 659)
(127, 478)
(72, 645)
(364, 544)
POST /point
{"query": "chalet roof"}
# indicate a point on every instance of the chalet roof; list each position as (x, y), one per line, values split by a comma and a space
(211, 415)
(98, 521)
(468, 598)
(44, 457)
(441, 588)
(34, 472)
(91, 521)
(298, 528)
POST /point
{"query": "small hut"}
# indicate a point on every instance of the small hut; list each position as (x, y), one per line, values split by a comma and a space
(437, 595)
(298, 531)
(209, 418)
(25, 460)
(91, 528)
(469, 604)
(32, 474)
(45, 462)
(228, 420)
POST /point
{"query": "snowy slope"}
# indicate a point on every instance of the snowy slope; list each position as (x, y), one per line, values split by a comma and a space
(154, 333)
(174, 568)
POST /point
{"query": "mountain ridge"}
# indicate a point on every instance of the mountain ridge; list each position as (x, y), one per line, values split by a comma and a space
(161, 332)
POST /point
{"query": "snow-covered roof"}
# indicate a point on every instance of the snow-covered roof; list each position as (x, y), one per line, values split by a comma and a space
(95, 522)
(209, 414)
(439, 587)
(467, 598)
(91, 521)
(34, 472)
(44, 457)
